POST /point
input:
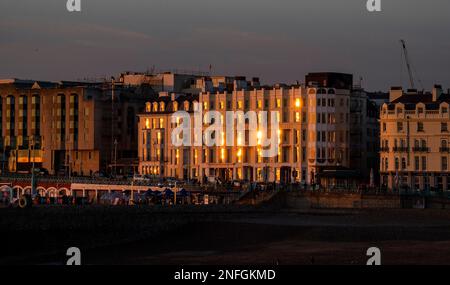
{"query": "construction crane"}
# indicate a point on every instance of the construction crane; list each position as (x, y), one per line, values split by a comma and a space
(409, 66)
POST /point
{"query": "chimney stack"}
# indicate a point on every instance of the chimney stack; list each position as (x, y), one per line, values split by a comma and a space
(395, 93)
(437, 92)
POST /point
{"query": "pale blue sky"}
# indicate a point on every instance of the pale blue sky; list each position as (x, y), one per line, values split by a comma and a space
(277, 40)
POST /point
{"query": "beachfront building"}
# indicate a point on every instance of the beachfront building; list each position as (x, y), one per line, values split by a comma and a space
(415, 140)
(68, 128)
(314, 135)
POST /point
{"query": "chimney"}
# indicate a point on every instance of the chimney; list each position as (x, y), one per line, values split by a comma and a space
(395, 93)
(437, 92)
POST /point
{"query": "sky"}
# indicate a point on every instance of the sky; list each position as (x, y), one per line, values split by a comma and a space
(277, 40)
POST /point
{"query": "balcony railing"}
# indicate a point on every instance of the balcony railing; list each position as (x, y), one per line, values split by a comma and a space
(384, 149)
(421, 149)
(400, 149)
(444, 149)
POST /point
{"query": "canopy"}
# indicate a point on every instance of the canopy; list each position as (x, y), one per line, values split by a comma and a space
(183, 193)
(168, 192)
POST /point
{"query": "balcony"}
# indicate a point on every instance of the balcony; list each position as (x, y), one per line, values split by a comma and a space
(384, 149)
(421, 149)
(444, 149)
(400, 149)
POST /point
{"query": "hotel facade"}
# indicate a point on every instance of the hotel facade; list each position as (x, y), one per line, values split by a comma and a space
(415, 140)
(67, 128)
(314, 134)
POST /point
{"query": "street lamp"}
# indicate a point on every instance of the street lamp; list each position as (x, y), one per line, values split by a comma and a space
(69, 157)
(112, 121)
(33, 178)
(4, 156)
(115, 158)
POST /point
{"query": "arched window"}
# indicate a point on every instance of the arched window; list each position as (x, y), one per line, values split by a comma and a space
(424, 143)
(175, 106)
(155, 107)
(148, 107)
(162, 107)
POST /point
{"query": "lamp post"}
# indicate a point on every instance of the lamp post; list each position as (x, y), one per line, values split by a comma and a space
(4, 156)
(112, 122)
(69, 157)
(115, 158)
(33, 182)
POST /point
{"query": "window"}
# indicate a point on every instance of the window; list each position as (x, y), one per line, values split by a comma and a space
(419, 126)
(399, 126)
(278, 103)
(416, 163)
(424, 143)
(444, 127)
(424, 163)
(384, 127)
(259, 104)
(444, 163)
(397, 166)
